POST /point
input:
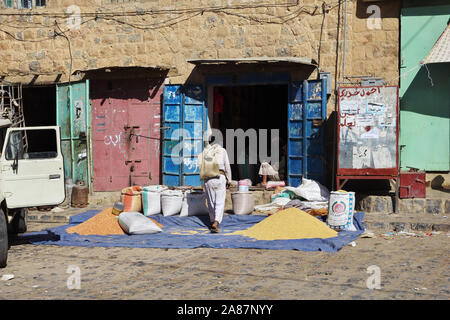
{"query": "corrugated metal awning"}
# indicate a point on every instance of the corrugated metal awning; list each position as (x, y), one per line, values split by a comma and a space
(441, 50)
(265, 60)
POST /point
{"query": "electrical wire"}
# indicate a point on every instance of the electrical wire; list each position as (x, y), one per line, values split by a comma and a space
(157, 11)
(70, 49)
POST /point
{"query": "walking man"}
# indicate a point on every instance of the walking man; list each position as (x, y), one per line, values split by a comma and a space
(215, 171)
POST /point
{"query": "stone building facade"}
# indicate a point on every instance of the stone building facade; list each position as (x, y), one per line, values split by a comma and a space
(165, 33)
(67, 41)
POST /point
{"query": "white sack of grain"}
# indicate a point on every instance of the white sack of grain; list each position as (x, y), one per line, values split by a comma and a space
(194, 204)
(136, 223)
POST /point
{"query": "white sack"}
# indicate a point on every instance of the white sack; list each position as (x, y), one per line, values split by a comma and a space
(194, 204)
(171, 202)
(151, 199)
(136, 223)
(311, 190)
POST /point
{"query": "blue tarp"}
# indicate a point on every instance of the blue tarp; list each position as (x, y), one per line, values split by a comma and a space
(191, 232)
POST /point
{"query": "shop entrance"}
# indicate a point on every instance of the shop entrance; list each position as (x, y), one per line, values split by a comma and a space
(251, 108)
(39, 109)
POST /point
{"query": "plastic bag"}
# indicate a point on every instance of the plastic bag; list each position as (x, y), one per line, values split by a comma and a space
(194, 204)
(137, 223)
(311, 190)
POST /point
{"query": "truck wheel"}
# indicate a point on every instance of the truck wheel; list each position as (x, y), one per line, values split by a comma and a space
(3, 240)
(18, 223)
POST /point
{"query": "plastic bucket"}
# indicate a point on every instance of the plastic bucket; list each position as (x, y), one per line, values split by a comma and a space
(131, 198)
(340, 210)
(243, 202)
(151, 199)
(243, 185)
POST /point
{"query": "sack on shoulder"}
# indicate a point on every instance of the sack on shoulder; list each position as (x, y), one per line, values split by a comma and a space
(208, 166)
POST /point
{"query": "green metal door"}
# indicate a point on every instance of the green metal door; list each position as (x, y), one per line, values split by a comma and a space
(424, 92)
(72, 114)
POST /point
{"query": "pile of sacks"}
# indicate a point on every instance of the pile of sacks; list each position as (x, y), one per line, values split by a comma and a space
(158, 199)
(139, 203)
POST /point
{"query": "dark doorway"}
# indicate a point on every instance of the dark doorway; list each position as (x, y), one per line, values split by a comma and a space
(252, 107)
(39, 109)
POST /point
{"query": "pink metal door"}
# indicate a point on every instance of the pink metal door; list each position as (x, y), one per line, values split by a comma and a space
(124, 151)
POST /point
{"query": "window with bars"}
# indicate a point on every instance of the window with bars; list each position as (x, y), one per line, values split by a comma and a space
(40, 3)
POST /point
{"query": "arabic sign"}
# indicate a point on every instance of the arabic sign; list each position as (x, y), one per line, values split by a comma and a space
(367, 121)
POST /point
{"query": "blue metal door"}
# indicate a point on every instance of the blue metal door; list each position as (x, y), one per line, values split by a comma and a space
(183, 123)
(306, 131)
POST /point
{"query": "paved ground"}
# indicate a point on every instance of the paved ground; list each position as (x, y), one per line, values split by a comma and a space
(410, 268)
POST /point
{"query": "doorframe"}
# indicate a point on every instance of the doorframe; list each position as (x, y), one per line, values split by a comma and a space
(240, 80)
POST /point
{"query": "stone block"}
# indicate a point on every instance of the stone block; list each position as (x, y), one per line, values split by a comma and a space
(399, 226)
(447, 206)
(380, 205)
(34, 66)
(418, 205)
(378, 225)
(405, 205)
(135, 38)
(444, 227)
(421, 226)
(433, 206)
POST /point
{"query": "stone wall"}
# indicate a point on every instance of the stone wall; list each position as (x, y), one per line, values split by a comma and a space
(36, 42)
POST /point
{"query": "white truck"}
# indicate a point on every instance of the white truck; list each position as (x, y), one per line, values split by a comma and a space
(32, 173)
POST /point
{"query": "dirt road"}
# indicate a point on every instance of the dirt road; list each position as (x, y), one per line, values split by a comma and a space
(404, 267)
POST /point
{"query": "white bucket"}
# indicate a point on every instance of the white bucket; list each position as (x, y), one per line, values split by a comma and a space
(243, 202)
(340, 211)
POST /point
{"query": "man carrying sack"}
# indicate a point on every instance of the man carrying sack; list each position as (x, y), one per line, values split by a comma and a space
(215, 171)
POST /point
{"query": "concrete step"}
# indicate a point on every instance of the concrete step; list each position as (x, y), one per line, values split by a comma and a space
(380, 203)
(406, 222)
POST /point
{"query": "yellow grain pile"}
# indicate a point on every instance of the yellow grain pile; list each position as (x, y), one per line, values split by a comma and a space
(102, 224)
(288, 224)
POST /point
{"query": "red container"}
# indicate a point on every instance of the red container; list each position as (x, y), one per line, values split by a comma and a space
(412, 185)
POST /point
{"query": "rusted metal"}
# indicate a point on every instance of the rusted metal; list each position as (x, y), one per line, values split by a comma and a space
(80, 195)
(125, 112)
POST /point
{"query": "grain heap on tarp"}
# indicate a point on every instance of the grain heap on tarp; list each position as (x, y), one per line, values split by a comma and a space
(102, 224)
(288, 224)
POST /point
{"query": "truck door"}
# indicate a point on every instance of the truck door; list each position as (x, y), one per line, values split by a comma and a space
(32, 176)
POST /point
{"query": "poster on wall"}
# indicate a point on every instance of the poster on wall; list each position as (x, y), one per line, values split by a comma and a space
(367, 128)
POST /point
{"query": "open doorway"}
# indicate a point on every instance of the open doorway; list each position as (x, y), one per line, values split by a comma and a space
(39, 109)
(251, 107)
